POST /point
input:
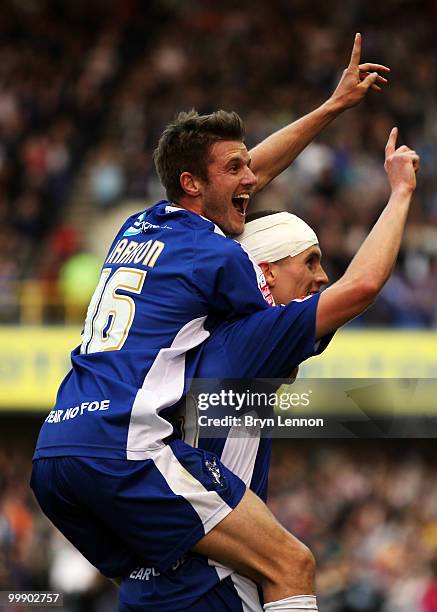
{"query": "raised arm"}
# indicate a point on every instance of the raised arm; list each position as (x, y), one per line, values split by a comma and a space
(276, 152)
(374, 261)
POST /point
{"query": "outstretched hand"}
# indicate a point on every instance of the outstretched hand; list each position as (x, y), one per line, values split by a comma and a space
(357, 78)
(401, 164)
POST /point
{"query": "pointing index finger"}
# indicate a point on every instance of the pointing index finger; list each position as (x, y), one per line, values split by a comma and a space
(356, 51)
(391, 143)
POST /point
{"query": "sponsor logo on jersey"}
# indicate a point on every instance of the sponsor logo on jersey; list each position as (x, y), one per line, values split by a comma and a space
(146, 225)
(140, 226)
(136, 228)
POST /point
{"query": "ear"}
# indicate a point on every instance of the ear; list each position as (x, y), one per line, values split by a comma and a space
(190, 184)
(270, 272)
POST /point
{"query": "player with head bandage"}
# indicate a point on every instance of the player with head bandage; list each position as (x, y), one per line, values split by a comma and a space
(271, 344)
(287, 249)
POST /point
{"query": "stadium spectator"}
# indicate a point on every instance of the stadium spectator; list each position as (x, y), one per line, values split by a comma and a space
(50, 104)
(321, 491)
(106, 178)
(276, 41)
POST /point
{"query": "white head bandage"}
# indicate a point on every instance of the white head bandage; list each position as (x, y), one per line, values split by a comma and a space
(276, 236)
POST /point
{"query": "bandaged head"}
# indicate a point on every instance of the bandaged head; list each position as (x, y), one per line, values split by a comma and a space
(273, 237)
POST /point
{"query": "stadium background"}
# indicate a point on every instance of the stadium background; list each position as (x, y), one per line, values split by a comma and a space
(85, 89)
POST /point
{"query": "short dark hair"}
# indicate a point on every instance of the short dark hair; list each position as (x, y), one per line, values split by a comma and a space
(185, 146)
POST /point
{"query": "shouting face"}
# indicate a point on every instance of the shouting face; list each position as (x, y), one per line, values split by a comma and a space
(231, 182)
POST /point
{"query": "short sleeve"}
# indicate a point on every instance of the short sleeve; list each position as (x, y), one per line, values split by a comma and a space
(229, 280)
(268, 344)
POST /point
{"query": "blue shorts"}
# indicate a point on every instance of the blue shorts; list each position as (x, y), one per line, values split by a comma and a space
(193, 585)
(121, 514)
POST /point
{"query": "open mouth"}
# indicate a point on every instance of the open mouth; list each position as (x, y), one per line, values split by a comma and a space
(241, 202)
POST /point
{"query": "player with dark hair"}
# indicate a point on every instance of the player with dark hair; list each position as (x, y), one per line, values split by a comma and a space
(185, 146)
(270, 344)
(105, 471)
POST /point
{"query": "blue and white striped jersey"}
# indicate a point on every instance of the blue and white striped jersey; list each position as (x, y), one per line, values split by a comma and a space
(170, 276)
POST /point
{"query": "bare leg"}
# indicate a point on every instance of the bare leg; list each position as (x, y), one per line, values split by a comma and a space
(251, 541)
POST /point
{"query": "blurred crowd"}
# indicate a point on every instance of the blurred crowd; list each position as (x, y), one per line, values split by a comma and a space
(58, 61)
(272, 65)
(33, 554)
(368, 512)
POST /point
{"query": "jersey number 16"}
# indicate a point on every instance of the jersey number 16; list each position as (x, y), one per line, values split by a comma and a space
(110, 315)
